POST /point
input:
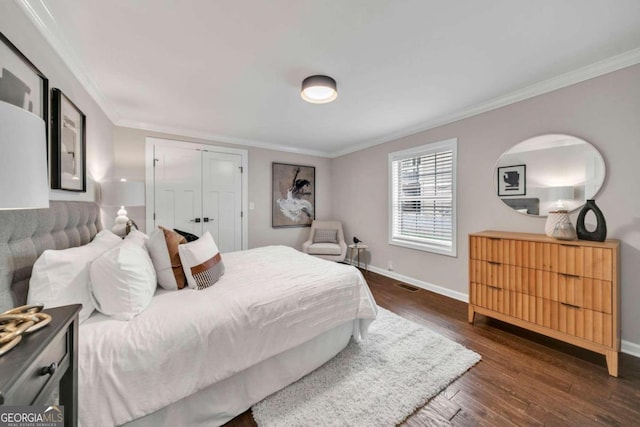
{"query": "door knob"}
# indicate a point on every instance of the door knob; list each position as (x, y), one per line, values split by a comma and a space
(195, 220)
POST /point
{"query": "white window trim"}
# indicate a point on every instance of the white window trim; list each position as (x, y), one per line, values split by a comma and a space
(449, 144)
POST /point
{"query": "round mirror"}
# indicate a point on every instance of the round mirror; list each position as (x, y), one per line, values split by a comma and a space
(549, 173)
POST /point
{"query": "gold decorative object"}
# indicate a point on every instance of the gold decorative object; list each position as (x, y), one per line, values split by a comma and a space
(20, 321)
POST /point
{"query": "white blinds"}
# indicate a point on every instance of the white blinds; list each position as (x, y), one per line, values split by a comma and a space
(422, 198)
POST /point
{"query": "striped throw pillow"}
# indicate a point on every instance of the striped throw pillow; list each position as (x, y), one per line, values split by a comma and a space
(208, 273)
(202, 262)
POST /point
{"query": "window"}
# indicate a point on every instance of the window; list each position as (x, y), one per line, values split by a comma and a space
(422, 190)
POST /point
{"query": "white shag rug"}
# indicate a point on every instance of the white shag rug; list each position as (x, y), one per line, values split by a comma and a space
(378, 382)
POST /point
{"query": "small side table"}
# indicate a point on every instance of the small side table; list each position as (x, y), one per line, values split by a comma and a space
(359, 248)
(44, 360)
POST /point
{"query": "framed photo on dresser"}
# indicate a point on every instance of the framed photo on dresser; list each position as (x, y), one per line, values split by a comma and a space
(21, 83)
(68, 144)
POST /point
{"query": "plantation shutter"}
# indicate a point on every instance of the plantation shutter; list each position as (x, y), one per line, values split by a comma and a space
(422, 188)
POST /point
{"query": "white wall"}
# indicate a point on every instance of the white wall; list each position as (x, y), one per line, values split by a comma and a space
(604, 111)
(19, 29)
(129, 163)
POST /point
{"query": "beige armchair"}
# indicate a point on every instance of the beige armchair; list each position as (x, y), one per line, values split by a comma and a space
(326, 240)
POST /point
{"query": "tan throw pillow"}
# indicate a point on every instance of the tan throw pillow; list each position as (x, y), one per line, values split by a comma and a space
(173, 240)
(163, 249)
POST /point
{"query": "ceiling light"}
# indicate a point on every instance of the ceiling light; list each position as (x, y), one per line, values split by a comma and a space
(319, 89)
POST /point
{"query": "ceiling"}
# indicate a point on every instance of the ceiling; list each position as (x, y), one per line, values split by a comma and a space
(231, 70)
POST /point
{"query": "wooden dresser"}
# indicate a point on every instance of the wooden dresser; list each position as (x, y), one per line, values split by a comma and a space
(568, 290)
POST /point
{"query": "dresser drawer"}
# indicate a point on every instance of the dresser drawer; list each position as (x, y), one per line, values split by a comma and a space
(489, 273)
(595, 263)
(511, 277)
(593, 294)
(490, 297)
(576, 321)
(563, 317)
(490, 248)
(35, 381)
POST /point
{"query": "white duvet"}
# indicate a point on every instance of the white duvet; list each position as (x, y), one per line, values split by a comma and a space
(269, 300)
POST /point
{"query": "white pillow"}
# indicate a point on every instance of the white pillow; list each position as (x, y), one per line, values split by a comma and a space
(201, 262)
(163, 249)
(61, 277)
(123, 281)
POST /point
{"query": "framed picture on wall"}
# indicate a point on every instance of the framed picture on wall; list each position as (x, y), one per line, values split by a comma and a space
(512, 180)
(21, 83)
(293, 195)
(68, 144)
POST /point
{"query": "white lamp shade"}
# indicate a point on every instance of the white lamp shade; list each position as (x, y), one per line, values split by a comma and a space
(122, 193)
(561, 193)
(23, 159)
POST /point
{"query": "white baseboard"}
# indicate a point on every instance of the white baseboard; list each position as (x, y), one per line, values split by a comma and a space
(630, 348)
(627, 347)
(419, 283)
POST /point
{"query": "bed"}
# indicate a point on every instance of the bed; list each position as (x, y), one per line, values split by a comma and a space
(195, 357)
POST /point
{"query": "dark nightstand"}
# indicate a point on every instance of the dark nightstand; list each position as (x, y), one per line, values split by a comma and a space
(31, 371)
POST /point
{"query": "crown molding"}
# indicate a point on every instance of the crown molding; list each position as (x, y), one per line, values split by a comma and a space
(42, 18)
(611, 64)
(189, 133)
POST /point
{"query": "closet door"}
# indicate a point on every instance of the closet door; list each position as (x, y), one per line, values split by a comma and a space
(222, 199)
(197, 188)
(178, 188)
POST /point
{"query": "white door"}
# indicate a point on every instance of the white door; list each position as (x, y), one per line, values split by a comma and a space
(178, 188)
(222, 199)
(197, 190)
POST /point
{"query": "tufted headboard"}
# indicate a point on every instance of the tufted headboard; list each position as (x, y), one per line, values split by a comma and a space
(25, 234)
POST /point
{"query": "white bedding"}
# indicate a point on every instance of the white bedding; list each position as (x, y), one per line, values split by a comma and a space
(269, 300)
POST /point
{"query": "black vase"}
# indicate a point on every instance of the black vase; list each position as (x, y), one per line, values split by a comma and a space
(597, 235)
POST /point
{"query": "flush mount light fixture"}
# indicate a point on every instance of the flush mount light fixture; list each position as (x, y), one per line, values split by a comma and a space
(319, 89)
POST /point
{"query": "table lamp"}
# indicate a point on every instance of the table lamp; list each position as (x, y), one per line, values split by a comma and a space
(23, 163)
(122, 193)
(559, 194)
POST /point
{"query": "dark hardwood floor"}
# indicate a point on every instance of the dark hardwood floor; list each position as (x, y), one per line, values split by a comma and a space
(524, 379)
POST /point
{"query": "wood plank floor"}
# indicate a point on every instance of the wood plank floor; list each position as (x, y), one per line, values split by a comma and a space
(524, 379)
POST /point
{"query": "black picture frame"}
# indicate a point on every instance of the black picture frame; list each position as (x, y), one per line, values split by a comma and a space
(21, 83)
(293, 190)
(512, 180)
(68, 144)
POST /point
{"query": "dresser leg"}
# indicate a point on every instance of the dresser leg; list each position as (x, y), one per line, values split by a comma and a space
(612, 363)
(472, 313)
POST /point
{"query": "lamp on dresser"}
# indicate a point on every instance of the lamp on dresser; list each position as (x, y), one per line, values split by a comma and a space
(23, 163)
(561, 194)
(122, 193)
